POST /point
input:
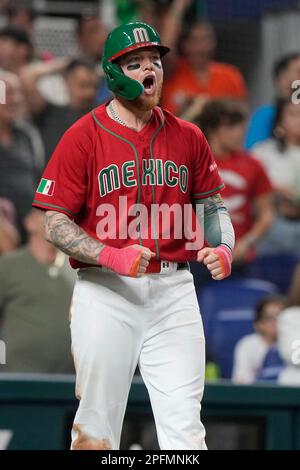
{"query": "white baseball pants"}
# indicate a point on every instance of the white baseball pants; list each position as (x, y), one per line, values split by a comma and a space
(118, 322)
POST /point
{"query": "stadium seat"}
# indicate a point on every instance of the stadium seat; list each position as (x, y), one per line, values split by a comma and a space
(275, 268)
(227, 311)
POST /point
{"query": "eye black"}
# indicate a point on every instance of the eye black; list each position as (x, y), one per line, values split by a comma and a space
(133, 66)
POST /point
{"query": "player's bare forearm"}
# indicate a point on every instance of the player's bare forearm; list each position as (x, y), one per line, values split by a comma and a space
(62, 232)
(66, 235)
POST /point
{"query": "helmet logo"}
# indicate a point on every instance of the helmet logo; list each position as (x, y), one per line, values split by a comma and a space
(140, 35)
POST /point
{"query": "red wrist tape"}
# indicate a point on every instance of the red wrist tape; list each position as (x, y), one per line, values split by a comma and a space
(225, 257)
(123, 261)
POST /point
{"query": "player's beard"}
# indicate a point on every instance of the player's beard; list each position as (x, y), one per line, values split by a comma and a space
(143, 102)
(146, 102)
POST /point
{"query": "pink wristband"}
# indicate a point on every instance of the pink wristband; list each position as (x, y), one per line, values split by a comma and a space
(225, 257)
(123, 261)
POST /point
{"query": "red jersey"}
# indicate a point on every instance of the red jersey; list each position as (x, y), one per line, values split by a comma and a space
(102, 169)
(245, 180)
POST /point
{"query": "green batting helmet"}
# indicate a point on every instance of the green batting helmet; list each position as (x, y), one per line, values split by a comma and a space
(123, 39)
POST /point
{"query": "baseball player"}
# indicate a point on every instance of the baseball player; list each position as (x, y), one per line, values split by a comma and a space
(115, 193)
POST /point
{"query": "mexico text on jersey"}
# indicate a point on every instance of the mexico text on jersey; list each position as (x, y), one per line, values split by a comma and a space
(145, 180)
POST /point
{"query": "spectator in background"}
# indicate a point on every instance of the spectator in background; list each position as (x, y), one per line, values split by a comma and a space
(197, 76)
(16, 49)
(9, 237)
(91, 35)
(20, 13)
(289, 334)
(21, 152)
(294, 289)
(170, 22)
(35, 293)
(50, 80)
(51, 119)
(251, 350)
(247, 193)
(261, 124)
(280, 156)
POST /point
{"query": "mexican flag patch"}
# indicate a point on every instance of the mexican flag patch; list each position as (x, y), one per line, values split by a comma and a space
(46, 187)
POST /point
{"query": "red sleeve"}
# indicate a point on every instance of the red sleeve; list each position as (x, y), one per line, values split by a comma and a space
(64, 182)
(206, 178)
(261, 183)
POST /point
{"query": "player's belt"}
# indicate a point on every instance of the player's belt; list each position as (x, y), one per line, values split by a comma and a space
(164, 267)
(155, 267)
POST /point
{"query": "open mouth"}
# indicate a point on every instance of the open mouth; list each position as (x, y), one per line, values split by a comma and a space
(148, 84)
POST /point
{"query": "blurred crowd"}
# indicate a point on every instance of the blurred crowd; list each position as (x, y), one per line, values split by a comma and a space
(257, 152)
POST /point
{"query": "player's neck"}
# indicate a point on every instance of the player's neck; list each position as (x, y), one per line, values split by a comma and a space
(130, 115)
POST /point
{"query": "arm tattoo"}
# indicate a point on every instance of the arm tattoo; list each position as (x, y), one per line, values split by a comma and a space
(71, 239)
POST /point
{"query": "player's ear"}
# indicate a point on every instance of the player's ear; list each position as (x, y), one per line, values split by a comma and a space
(119, 83)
